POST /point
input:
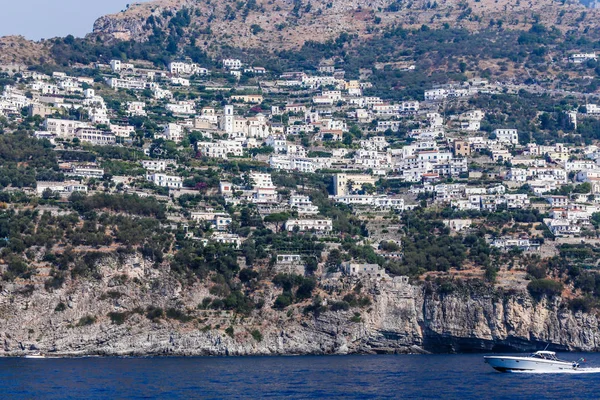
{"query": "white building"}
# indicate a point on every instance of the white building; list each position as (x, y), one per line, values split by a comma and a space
(158, 165)
(62, 188)
(180, 81)
(86, 170)
(98, 115)
(376, 201)
(63, 128)
(364, 270)
(507, 136)
(182, 68)
(435, 94)
(227, 238)
(136, 108)
(173, 132)
(122, 131)
(305, 225)
(580, 58)
(592, 109)
(160, 94)
(95, 136)
(118, 66)
(221, 149)
(182, 107)
(294, 163)
(231, 63)
(164, 180)
(129, 83)
(302, 205)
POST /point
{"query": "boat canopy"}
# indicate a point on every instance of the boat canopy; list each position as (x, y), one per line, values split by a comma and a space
(547, 355)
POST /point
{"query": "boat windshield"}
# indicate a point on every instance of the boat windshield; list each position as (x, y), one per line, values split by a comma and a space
(545, 355)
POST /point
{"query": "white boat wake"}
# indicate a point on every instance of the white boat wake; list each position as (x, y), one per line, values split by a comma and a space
(566, 371)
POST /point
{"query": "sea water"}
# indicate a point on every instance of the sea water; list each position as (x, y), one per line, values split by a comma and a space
(347, 377)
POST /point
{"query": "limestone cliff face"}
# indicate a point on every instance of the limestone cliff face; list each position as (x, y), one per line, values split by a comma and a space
(402, 318)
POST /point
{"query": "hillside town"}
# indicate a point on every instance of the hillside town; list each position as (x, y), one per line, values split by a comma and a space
(383, 156)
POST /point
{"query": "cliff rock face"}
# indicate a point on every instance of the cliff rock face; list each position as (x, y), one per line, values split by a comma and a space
(288, 24)
(74, 320)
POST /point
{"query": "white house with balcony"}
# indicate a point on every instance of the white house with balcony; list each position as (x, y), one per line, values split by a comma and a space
(95, 136)
(324, 225)
(86, 170)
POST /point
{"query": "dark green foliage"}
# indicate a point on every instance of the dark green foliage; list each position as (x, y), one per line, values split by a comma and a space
(316, 307)
(261, 150)
(78, 156)
(60, 307)
(154, 313)
(278, 219)
(354, 301)
(584, 304)
(131, 204)
(199, 260)
(536, 271)
(117, 167)
(234, 301)
(118, 318)
(87, 320)
(288, 282)
(356, 318)
(229, 331)
(580, 252)
(24, 160)
(173, 313)
(27, 290)
(539, 288)
(282, 301)
(246, 275)
(430, 247)
(257, 335)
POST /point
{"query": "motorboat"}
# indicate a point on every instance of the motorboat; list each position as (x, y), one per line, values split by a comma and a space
(544, 361)
(35, 355)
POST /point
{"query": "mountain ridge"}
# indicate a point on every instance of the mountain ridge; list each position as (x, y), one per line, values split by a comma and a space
(283, 24)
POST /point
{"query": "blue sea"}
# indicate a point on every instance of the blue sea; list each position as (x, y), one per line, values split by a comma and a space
(337, 377)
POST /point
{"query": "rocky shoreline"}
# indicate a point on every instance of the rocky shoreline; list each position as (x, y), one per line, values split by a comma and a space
(403, 318)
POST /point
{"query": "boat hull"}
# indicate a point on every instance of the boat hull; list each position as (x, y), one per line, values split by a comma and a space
(507, 364)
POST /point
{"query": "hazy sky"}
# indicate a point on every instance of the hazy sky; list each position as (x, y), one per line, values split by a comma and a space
(36, 19)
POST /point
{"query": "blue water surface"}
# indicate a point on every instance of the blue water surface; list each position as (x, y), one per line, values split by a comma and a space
(309, 377)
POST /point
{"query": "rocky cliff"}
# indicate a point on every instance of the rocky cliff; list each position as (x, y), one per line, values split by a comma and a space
(287, 24)
(109, 316)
